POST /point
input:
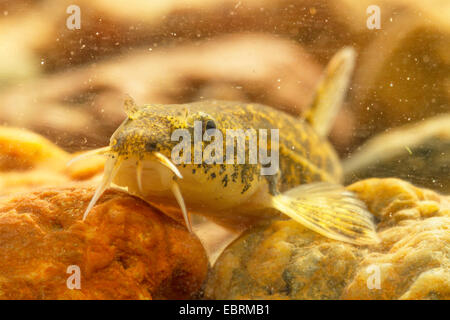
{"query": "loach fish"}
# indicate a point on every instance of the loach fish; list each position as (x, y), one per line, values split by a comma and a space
(305, 187)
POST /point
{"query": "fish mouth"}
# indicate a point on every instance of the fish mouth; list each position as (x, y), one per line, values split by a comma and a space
(159, 158)
(112, 167)
(167, 163)
(108, 151)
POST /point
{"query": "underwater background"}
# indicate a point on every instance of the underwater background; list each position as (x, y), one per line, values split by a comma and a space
(66, 67)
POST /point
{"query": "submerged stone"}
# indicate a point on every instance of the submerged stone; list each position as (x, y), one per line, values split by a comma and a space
(283, 260)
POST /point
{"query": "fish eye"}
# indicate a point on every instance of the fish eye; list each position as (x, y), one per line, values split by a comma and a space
(210, 124)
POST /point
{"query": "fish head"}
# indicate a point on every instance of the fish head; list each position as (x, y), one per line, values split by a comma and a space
(158, 145)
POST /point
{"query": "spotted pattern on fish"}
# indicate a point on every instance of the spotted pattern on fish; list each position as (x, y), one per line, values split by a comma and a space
(304, 156)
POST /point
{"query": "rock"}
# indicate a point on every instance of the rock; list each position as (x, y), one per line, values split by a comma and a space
(21, 150)
(283, 260)
(125, 249)
(29, 161)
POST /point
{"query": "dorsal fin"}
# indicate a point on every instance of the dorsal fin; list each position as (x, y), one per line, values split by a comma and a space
(331, 91)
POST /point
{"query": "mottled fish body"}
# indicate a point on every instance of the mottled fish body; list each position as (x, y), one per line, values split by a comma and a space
(306, 187)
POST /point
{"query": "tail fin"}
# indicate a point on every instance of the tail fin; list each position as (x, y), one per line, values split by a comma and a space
(329, 210)
(331, 91)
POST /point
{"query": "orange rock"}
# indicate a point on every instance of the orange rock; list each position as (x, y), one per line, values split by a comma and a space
(21, 149)
(28, 160)
(125, 249)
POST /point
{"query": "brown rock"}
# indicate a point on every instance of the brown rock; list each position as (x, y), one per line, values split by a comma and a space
(125, 249)
(283, 260)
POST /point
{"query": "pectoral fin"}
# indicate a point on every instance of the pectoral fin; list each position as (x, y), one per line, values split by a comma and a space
(329, 210)
(214, 237)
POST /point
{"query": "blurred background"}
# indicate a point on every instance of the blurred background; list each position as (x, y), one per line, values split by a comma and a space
(69, 84)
